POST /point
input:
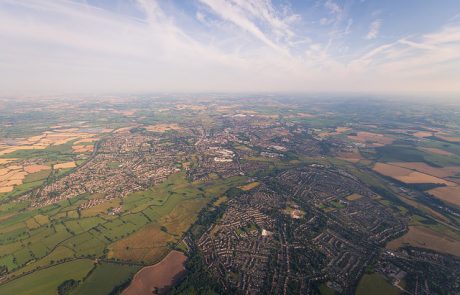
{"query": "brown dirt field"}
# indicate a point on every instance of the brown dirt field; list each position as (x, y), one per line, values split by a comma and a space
(159, 277)
(250, 186)
(450, 194)
(391, 170)
(36, 168)
(427, 169)
(437, 151)
(421, 134)
(424, 237)
(65, 165)
(368, 137)
(417, 177)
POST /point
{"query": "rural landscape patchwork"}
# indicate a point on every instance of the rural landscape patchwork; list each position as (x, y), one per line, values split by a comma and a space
(229, 147)
(229, 195)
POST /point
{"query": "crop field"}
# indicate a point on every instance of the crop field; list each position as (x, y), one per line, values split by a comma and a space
(447, 194)
(409, 175)
(426, 237)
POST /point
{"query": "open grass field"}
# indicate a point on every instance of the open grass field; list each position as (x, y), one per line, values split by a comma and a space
(375, 284)
(47, 280)
(105, 277)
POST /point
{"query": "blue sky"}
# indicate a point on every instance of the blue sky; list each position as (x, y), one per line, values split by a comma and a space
(132, 46)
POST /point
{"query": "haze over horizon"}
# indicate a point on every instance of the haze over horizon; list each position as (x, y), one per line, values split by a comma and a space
(97, 46)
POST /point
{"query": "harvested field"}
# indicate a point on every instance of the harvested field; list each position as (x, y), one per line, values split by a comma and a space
(410, 176)
(163, 127)
(36, 168)
(437, 151)
(66, 165)
(354, 197)
(6, 189)
(450, 194)
(374, 139)
(158, 278)
(424, 237)
(391, 170)
(82, 148)
(427, 169)
(417, 177)
(249, 186)
(422, 134)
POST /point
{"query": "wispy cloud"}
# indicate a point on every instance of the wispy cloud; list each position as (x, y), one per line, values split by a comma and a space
(374, 29)
(232, 45)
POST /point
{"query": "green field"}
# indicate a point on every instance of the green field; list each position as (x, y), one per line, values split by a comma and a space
(375, 284)
(34, 239)
(105, 277)
(46, 281)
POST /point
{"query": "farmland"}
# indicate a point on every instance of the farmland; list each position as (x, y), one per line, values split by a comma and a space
(340, 201)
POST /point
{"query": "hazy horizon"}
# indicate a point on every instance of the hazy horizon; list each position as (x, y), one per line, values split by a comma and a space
(362, 46)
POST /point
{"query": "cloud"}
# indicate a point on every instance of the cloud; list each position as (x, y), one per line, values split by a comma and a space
(61, 46)
(374, 29)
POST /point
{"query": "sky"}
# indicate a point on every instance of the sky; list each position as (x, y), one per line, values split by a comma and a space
(143, 46)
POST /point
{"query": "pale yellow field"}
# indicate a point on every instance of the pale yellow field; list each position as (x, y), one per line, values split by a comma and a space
(36, 168)
(82, 148)
(409, 175)
(354, 197)
(417, 177)
(46, 139)
(427, 169)
(450, 194)
(423, 134)
(391, 170)
(249, 186)
(163, 127)
(65, 165)
(6, 189)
